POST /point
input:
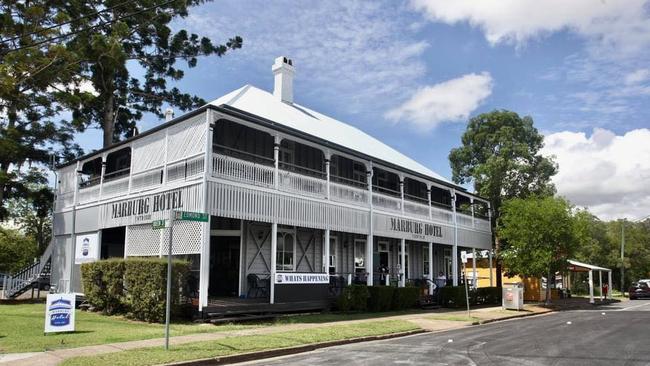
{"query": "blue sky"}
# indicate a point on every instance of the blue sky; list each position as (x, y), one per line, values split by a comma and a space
(411, 73)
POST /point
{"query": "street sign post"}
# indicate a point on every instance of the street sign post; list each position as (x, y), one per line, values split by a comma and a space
(463, 258)
(160, 224)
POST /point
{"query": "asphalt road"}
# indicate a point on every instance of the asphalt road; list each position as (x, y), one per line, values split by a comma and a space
(620, 336)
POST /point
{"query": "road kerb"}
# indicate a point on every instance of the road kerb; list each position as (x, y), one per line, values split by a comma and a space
(253, 356)
(487, 321)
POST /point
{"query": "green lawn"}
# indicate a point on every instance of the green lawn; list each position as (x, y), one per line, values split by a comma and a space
(244, 344)
(21, 329)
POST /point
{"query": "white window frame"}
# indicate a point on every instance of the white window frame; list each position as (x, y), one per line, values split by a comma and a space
(331, 262)
(281, 267)
(447, 262)
(363, 253)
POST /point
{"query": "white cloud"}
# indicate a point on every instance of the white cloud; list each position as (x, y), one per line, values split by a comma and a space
(451, 100)
(351, 52)
(619, 24)
(637, 76)
(605, 172)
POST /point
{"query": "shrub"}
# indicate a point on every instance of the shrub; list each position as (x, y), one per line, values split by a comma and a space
(405, 297)
(454, 296)
(136, 286)
(488, 295)
(103, 284)
(145, 281)
(380, 298)
(353, 298)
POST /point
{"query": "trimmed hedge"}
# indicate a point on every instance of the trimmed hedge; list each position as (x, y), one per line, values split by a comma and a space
(377, 298)
(353, 298)
(134, 286)
(103, 284)
(454, 296)
(405, 298)
(380, 298)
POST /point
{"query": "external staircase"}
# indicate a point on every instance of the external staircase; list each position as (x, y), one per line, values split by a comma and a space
(20, 282)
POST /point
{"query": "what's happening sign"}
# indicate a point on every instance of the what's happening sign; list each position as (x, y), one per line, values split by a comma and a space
(59, 313)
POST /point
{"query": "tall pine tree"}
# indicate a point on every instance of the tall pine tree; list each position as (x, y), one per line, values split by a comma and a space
(112, 35)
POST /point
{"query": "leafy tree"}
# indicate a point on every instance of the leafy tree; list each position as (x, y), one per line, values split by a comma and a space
(33, 214)
(16, 250)
(500, 156)
(112, 38)
(30, 96)
(542, 234)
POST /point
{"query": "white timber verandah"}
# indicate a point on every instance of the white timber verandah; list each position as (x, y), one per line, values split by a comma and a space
(279, 201)
(575, 266)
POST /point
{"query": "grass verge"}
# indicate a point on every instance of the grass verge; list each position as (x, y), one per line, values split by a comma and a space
(456, 318)
(244, 344)
(21, 329)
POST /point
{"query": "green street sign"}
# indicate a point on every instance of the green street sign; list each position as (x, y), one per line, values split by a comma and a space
(158, 224)
(191, 216)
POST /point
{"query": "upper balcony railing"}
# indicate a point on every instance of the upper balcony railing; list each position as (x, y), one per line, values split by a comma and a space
(308, 182)
(122, 182)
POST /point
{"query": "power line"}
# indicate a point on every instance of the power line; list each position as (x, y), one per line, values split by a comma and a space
(64, 23)
(88, 28)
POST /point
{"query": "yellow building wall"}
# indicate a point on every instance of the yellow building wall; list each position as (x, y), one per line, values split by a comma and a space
(532, 286)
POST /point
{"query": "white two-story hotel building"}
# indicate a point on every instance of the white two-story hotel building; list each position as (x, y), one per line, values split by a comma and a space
(288, 191)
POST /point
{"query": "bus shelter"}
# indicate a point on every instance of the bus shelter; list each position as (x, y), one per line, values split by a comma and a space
(575, 266)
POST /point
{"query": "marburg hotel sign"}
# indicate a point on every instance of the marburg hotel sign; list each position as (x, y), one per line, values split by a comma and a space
(154, 206)
(415, 229)
(143, 207)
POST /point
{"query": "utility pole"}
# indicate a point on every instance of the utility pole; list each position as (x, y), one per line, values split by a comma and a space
(623, 250)
(623, 257)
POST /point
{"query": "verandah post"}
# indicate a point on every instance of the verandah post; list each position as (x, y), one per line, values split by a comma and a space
(454, 252)
(274, 251)
(402, 267)
(431, 268)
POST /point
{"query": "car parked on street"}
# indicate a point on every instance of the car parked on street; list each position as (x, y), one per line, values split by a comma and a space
(639, 290)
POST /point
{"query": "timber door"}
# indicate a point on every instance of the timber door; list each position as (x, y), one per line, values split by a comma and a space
(224, 266)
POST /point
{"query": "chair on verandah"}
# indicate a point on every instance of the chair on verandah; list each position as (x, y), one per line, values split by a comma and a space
(256, 285)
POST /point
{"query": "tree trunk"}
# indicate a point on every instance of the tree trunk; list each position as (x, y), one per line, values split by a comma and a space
(108, 122)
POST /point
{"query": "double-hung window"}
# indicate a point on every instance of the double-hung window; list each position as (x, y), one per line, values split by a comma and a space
(359, 253)
(286, 250)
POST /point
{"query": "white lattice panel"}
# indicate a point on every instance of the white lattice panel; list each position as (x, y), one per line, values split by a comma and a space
(148, 152)
(142, 241)
(188, 236)
(187, 138)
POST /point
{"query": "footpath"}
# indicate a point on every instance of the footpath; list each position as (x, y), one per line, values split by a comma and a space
(430, 321)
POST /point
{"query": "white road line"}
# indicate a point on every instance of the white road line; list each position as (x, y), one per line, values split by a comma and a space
(634, 307)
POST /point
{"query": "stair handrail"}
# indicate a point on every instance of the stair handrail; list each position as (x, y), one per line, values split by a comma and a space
(29, 274)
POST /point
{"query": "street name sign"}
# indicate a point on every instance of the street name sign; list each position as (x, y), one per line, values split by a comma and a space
(191, 216)
(158, 224)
